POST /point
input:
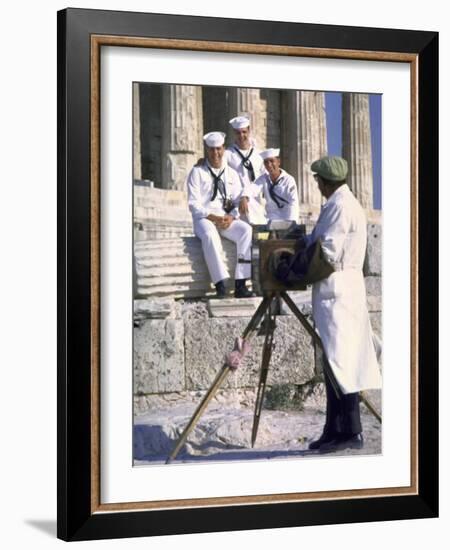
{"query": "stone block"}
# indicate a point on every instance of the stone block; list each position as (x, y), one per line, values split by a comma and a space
(159, 356)
(232, 307)
(374, 303)
(376, 321)
(373, 286)
(374, 293)
(206, 344)
(156, 309)
(374, 249)
(194, 310)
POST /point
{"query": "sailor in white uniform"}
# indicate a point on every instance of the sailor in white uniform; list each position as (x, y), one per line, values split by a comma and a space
(244, 157)
(214, 191)
(278, 188)
(340, 308)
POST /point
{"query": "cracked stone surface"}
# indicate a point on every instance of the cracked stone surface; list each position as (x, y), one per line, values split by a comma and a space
(223, 433)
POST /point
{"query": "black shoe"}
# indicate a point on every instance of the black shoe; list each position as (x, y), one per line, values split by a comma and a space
(343, 442)
(221, 291)
(324, 438)
(244, 293)
(241, 291)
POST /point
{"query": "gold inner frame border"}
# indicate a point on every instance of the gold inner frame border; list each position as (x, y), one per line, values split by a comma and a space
(97, 41)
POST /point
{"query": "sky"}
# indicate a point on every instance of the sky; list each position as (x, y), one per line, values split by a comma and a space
(333, 108)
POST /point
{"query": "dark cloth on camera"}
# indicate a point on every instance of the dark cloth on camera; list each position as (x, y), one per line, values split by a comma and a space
(306, 266)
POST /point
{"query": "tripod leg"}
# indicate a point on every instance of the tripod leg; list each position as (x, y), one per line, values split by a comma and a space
(318, 341)
(267, 353)
(309, 329)
(199, 411)
(223, 373)
(363, 397)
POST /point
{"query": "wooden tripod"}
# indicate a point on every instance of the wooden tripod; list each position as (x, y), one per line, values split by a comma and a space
(263, 310)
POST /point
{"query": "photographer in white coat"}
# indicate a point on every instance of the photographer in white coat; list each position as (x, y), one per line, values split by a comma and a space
(214, 190)
(340, 308)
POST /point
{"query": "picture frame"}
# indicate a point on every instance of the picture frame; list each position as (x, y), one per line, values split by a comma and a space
(81, 36)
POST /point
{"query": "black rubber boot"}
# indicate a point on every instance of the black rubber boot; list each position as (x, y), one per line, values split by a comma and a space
(220, 290)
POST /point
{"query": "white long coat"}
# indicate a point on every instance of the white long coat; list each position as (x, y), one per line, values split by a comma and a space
(339, 302)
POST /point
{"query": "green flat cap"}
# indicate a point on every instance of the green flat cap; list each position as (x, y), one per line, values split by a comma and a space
(331, 168)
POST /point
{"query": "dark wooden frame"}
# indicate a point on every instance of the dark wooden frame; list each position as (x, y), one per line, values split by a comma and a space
(81, 34)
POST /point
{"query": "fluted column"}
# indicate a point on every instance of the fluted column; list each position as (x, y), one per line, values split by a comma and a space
(304, 139)
(357, 146)
(248, 102)
(182, 131)
(137, 162)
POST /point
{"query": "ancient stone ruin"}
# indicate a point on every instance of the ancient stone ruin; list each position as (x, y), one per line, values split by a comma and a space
(180, 336)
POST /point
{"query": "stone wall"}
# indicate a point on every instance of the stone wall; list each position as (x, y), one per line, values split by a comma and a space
(181, 337)
(180, 345)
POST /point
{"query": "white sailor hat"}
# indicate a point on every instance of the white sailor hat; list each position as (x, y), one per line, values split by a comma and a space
(239, 122)
(270, 153)
(214, 139)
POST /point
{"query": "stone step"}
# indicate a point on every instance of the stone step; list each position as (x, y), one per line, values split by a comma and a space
(232, 307)
(163, 243)
(146, 234)
(179, 291)
(150, 262)
(163, 212)
(176, 267)
(172, 278)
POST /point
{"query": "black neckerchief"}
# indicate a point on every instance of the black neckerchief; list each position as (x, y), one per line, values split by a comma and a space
(219, 184)
(247, 163)
(276, 198)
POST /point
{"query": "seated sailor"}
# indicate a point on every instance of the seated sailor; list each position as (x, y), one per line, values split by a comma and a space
(214, 191)
(243, 156)
(278, 188)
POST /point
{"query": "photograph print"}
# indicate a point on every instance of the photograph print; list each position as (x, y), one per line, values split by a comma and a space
(257, 274)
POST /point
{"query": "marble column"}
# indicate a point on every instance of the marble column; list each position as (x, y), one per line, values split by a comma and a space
(357, 146)
(304, 139)
(137, 165)
(182, 131)
(248, 102)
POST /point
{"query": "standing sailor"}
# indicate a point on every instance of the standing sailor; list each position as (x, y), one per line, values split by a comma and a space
(340, 308)
(277, 187)
(244, 157)
(214, 190)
